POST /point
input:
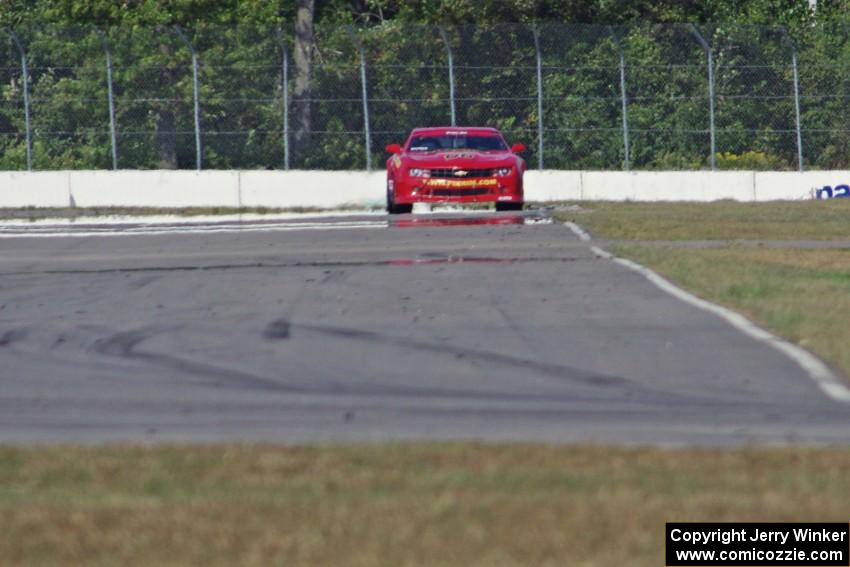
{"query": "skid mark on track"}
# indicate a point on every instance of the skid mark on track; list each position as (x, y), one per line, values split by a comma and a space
(12, 336)
(144, 281)
(123, 345)
(333, 276)
(553, 370)
(496, 305)
(347, 386)
(277, 330)
(602, 385)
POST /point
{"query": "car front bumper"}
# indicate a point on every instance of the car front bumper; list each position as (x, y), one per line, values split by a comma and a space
(506, 189)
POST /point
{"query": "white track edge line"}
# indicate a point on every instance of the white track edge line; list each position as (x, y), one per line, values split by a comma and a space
(819, 372)
(601, 253)
(155, 232)
(181, 228)
(579, 231)
(584, 236)
(184, 219)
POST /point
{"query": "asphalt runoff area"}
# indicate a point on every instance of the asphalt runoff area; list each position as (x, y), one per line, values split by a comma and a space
(485, 327)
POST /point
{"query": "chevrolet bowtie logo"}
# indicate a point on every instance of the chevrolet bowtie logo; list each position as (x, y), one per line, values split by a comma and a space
(460, 173)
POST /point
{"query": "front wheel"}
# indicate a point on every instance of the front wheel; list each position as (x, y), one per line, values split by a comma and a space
(399, 209)
(393, 208)
(509, 206)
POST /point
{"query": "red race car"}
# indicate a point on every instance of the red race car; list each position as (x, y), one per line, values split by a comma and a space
(454, 165)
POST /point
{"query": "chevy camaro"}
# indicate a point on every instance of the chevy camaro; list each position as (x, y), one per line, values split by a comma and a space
(454, 165)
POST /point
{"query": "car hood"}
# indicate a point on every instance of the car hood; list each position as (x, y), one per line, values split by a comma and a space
(459, 158)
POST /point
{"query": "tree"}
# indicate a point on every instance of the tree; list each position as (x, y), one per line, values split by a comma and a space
(164, 130)
(303, 57)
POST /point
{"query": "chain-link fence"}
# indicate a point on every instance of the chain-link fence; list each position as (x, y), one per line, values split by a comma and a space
(580, 97)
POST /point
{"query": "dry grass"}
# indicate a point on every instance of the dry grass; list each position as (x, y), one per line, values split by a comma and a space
(457, 504)
(719, 220)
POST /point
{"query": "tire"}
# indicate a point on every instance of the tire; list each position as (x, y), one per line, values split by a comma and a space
(400, 209)
(394, 209)
(509, 206)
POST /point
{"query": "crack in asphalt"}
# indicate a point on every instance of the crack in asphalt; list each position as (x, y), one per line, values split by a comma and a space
(316, 264)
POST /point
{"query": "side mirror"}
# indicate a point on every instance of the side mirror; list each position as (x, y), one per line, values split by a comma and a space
(519, 148)
(393, 149)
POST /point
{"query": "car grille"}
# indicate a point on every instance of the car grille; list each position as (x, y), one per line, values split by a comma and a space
(450, 173)
(459, 192)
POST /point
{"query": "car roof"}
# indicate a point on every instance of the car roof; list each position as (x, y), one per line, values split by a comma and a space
(440, 130)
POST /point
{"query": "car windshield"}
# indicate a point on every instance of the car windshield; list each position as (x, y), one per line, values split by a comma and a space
(456, 142)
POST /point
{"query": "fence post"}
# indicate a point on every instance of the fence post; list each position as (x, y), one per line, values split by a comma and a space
(285, 78)
(195, 95)
(624, 100)
(797, 108)
(25, 71)
(112, 135)
(539, 98)
(451, 75)
(796, 97)
(366, 132)
(707, 48)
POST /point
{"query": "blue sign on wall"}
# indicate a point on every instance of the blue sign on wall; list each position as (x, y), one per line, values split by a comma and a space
(837, 192)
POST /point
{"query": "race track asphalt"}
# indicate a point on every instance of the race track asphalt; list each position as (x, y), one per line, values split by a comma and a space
(381, 332)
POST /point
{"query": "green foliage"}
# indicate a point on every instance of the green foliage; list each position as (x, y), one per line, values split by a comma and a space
(749, 160)
(407, 80)
(144, 12)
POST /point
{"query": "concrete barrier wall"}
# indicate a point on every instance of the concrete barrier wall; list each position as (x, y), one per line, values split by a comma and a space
(668, 185)
(133, 188)
(34, 189)
(774, 185)
(325, 189)
(328, 189)
(552, 185)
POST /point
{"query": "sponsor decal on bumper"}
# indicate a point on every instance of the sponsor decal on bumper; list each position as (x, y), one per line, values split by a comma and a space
(460, 183)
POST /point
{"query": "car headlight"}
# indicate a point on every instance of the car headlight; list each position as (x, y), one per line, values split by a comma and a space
(504, 171)
(416, 172)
